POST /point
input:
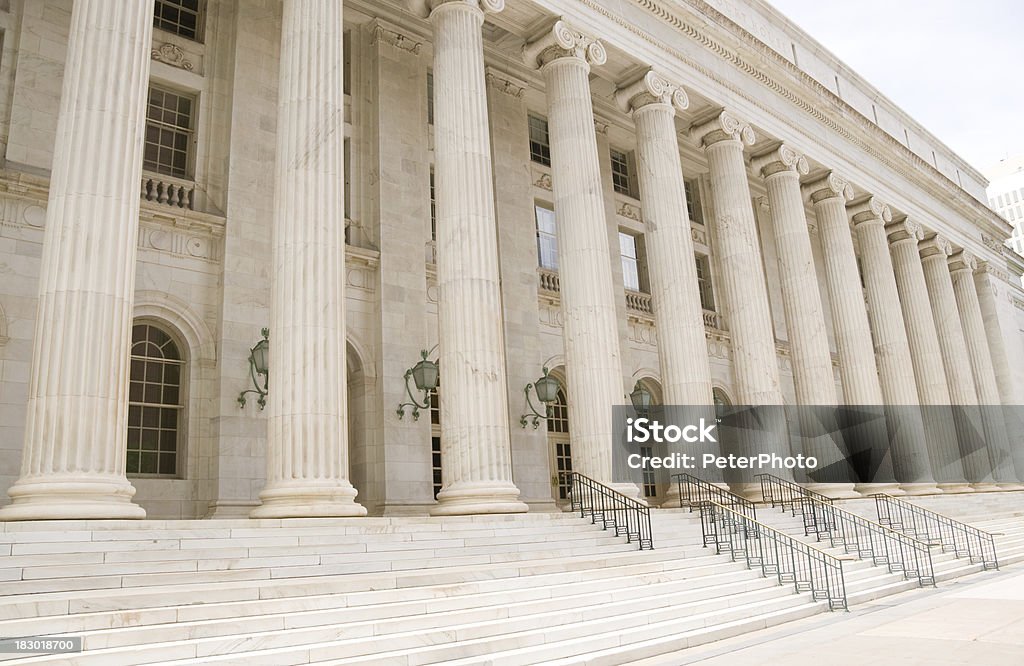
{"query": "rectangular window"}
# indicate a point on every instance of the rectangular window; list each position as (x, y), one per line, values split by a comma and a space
(348, 179)
(693, 206)
(563, 467)
(346, 54)
(169, 129)
(433, 207)
(707, 296)
(1016, 197)
(620, 172)
(547, 238)
(430, 98)
(182, 17)
(540, 147)
(630, 261)
(650, 487)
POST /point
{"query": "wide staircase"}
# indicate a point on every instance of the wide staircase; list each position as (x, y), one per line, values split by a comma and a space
(565, 588)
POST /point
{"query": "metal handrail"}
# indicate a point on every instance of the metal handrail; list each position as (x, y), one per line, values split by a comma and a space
(612, 509)
(775, 553)
(936, 529)
(869, 540)
(695, 493)
(779, 491)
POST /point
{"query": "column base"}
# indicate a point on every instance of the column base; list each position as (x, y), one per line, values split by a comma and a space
(632, 491)
(1009, 485)
(72, 498)
(309, 501)
(985, 487)
(889, 488)
(461, 499)
(918, 489)
(956, 488)
(834, 490)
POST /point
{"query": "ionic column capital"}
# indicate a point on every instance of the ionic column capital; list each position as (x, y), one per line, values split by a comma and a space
(870, 210)
(905, 229)
(652, 88)
(564, 41)
(423, 8)
(723, 127)
(830, 185)
(963, 261)
(781, 159)
(936, 246)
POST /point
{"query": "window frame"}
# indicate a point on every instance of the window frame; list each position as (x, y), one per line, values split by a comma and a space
(543, 235)
(200, 14)
(542, 153)
(181, 408)
(705, 285)
(190, 132)
(622, 172)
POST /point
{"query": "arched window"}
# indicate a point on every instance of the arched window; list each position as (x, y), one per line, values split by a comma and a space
(155, 403)
(558, 414)
(721, 402)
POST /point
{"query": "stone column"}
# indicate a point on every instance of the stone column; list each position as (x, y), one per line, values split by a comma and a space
(801, 301)
(963, 397)
(892, 349)
(73, 463)
(477, 472)
(962, 267)
(926, 356)
(682, 349)
(744, 294)
(307, 426)
(593, 358)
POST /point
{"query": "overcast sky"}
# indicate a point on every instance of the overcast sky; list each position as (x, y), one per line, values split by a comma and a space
(955, 66)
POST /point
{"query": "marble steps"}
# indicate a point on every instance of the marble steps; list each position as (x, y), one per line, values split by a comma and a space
(697, 573)
(388, 627)
(69, 600)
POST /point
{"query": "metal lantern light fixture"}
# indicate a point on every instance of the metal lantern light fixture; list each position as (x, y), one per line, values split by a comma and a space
(546, 389)
(425, 375)
(259, 367)
(641, 399)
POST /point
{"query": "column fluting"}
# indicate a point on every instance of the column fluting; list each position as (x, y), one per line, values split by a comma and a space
(307, 424)
(590, 329)
(475, 444)
(73, 462)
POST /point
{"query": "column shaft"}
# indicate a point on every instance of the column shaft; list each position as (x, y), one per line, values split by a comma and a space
(1000, 454)
(475, 448)
(73, 463)
(307, 426)
(592, 354)
(962, 394)
(892, 349)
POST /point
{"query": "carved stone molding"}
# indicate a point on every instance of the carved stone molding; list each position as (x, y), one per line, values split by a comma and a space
(870, 210)
(699, 236)
(783, 158)
(423, 8)
(543, 181)
(937, 245)
(506, 84)
(386, 33)
(643, 332)
(963, 261)
(564, 41)
(652, 88)
(173, 55)
(991, 243)
(828, 186)
(723, 127)
(629, 211)
(905, 229)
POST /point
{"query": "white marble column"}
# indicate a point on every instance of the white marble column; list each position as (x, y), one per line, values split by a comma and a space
(73, 463)
(755, 364)
(682, 347)
(801, 301)
(963, 397)
(475, 445)
(307, 426)
(962, 267)
(892, 348)
(593, 358)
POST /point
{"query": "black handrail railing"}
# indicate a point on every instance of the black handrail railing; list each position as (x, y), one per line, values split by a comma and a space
(936, 529)
(775, 553)
(869, 540)
(695, 493)
(779, 491)
(611, 509)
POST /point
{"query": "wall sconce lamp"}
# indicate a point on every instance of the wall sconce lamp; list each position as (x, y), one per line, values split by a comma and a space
(641, 399)
(425, 375)
(258, 367)
(546, 389)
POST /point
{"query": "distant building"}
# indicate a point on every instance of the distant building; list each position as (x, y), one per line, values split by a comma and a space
(1006, 196)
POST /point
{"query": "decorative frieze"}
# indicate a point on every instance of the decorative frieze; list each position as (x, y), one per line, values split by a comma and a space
(173, 55)
(629, 211)
(505, 84)
(385, 33)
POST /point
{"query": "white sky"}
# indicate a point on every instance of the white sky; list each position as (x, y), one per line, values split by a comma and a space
(954, 66)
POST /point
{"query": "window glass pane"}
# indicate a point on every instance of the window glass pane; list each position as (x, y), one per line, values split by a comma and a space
(178, 16)
(630, 268)
(547, 238)
(155, 407)
(540, 147)
(620, 172)
(169, 122)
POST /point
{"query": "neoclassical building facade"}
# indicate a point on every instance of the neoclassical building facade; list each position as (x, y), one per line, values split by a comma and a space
(694, 197)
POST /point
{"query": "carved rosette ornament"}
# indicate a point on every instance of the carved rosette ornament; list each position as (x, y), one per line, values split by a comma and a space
(564, 41)
(652, 88)
(828, 187)
(724, 127)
